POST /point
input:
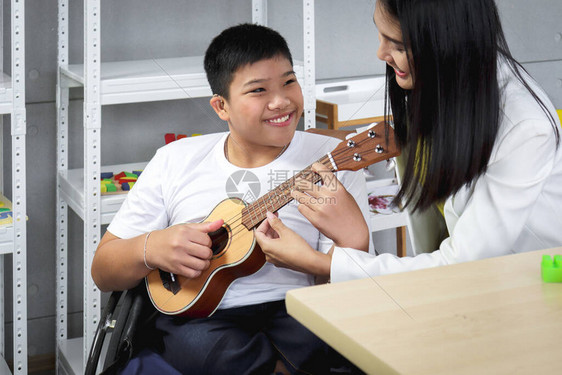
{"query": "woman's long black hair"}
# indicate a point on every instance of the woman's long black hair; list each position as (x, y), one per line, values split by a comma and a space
(450, 119)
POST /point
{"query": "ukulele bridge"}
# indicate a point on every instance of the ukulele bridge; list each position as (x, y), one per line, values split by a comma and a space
(170, 281)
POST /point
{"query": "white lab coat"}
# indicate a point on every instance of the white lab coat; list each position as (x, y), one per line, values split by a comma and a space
(516, 206)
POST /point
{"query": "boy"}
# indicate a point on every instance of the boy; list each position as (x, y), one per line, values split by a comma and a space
(250, 71)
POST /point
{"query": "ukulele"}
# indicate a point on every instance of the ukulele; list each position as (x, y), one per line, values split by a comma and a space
(235, 250)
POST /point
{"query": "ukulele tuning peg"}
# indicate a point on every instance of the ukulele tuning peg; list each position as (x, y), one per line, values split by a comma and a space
(350, 143)
(357, 157)
(372, 134)
(379, 149)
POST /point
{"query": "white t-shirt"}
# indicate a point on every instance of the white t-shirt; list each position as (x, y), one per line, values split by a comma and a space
(516, 206)
(187, 178)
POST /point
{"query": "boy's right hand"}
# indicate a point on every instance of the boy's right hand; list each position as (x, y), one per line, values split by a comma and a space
(182, 249)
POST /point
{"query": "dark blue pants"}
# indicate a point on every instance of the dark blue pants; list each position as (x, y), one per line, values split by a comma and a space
(245, 340)
(148, 362)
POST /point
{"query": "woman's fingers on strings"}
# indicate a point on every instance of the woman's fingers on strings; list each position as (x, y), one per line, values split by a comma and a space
(275, 223)
(266, 231)
(263, 227)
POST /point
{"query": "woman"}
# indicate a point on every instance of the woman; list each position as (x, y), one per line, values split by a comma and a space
(481, 164)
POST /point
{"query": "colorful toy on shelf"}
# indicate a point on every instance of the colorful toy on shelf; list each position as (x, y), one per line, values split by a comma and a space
(551, 269)
(118, 183)
(170, 137)
(5, 211)
(107, 186)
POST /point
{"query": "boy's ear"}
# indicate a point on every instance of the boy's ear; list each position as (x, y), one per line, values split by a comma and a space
(217, 102)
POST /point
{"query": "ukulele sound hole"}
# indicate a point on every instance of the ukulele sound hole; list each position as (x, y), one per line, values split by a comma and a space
(220, 240)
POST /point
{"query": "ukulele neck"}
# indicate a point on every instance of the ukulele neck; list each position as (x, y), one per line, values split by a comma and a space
(274, 200)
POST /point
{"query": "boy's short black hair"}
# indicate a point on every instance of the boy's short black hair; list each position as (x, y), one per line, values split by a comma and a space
(238, 46)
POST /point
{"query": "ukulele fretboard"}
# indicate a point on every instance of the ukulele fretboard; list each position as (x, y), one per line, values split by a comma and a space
(255, 213)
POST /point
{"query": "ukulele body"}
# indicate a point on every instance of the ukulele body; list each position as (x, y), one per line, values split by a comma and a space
(236, 254)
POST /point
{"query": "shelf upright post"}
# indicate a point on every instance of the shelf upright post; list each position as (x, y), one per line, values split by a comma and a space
(19, 260)
(62, 102)
(2, 302)
(2, 134)
(309, 65)
(92, 167)
(259, 12)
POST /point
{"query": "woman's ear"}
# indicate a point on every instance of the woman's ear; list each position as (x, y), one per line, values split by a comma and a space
(218, 104)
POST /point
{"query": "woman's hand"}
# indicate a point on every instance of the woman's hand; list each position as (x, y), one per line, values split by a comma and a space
(285, 248)
(332, 210)
(183, 249)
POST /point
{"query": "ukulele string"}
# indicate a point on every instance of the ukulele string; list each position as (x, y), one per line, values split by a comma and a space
(324, 160)
(257, 210)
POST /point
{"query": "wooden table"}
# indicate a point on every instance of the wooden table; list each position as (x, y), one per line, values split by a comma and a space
(492, 316)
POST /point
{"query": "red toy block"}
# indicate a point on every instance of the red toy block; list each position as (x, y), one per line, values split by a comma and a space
(169, 137)
(119, 176)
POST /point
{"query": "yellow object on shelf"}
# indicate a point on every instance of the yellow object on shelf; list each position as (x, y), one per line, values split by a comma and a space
(5, 211)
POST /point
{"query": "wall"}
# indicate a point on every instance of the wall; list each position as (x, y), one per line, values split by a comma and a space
(346, 44)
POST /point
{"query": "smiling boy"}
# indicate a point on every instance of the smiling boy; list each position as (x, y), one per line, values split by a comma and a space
(256, 92)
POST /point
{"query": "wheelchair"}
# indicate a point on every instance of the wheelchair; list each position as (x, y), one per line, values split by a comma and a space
(123, 313)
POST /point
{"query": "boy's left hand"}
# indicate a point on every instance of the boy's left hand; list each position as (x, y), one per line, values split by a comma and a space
(332, 210)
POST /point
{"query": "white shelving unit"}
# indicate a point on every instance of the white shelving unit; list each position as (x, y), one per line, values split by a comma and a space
(357, 98)
(117, 83)
(13, 236)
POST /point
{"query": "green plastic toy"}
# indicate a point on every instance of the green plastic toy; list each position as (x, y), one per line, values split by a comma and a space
(551, 270)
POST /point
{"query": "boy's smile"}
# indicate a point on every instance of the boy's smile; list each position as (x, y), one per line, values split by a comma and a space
(280, 120)
(263, 109)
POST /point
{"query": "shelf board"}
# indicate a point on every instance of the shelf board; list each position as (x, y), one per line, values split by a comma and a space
(4, 369)
(6, 239)
(71, 354)
(150, 80)
(382, 222)
(6, 94)
(70, 357)
(385, 221)
(72, 190)
(356, 98)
